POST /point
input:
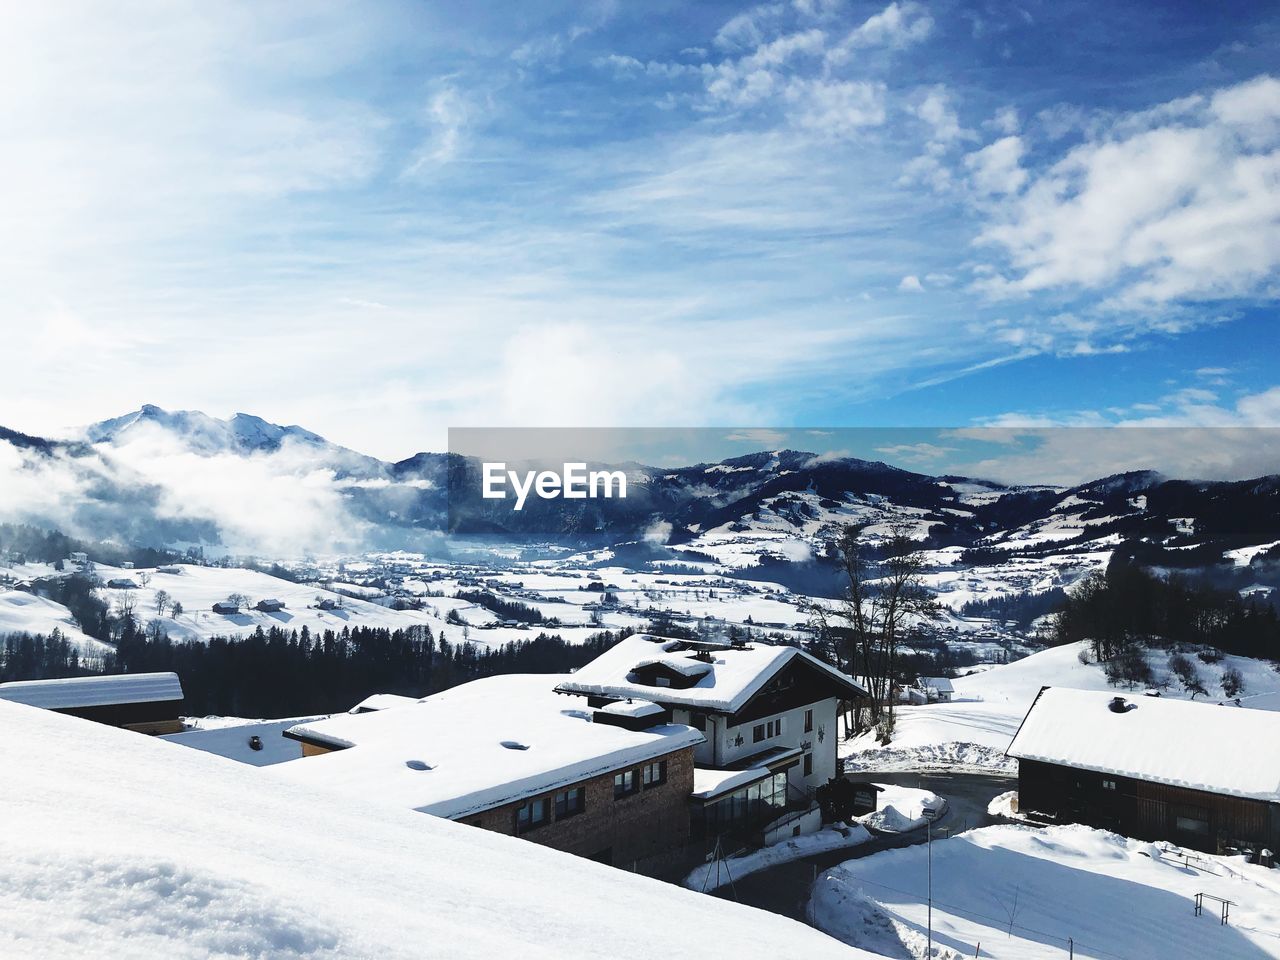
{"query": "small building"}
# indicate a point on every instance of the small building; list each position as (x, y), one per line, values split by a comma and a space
(270, 606)
(507, 754)
(79, 558)
(936, 689)
(145, 702)
(226, 607)
(122, 583)
(126, 565)
(328, 604)
(171, 569)
(1200, 775)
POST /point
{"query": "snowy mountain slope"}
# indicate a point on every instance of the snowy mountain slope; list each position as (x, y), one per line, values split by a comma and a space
(245, 485)
(220, 862)
(243, 433)
(1021, 893)
(22, 612)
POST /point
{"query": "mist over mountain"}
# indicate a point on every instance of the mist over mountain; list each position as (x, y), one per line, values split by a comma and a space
(180, 478)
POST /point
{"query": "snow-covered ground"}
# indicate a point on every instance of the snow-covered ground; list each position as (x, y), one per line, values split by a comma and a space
(123, 846)
(710, 876)
(973, 731)
(1019, 893)
(22, 612)
(901, 809)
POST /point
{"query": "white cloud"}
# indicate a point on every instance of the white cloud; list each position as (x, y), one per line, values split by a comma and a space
(911, 284)
(915, 452)
(995, 168)
(897, 26)
(1181, 202)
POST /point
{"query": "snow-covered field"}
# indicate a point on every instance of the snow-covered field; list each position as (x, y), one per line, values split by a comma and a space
(1019, 893)
(973, 731)
(123, 846)
(26, 613)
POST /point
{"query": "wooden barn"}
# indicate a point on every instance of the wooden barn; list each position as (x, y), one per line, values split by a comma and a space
(145, 702)
(1201, 775)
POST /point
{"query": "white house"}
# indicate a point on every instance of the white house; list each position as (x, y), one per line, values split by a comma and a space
(768, 713)
(936, 689)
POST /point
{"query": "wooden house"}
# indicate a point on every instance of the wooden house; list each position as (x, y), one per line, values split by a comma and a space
(1201, 775)
(145, 702)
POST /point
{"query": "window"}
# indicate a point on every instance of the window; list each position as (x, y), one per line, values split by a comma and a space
(1108, 784)
(766, 731)
(808, 764)
(808, 721)
(532, 814)
(654, 774)
(570, 802)
(624, 784)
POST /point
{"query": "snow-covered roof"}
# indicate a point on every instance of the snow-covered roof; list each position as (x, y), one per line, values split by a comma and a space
(708, 783)
(207, 858)
(726, 684)
(94, 691)
(231, 738)
(381, 701)
(633, 708)
(1201, 746)
(476, 746)
(941, 684)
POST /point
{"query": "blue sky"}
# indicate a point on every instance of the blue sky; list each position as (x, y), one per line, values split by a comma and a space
(380, 220)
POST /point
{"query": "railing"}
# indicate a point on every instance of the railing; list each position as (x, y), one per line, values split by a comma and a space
(1226, 906)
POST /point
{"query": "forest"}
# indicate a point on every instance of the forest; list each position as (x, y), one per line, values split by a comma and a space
(279, 673)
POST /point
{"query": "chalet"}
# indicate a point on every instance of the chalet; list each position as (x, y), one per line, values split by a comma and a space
(226, 607)
(126, 565)
(936, 689)
(122, 583)
(507, 754)
(171, 569)
(1201, 775)
(270, 606)
(145, 702)
(768, 714)
(79, 558)
(328, 604)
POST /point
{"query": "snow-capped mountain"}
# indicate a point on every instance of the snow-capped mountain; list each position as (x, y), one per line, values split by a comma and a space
(158, 477)
(242, 433)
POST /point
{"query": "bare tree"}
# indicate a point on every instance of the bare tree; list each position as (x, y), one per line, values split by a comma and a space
(883, 594)
(144, 578)
(162, 601)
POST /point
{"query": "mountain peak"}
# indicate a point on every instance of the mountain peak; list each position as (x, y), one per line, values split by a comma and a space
(201, 433)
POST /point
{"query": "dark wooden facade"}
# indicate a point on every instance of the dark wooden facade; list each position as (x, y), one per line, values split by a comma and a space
(1210, 822)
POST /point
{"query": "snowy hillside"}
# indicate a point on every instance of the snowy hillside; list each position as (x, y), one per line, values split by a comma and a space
(976, 727)
(1020, 893)
(220, 863)
(22, 612)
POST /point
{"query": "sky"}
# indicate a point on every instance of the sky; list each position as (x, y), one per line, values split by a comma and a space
(383, 220)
